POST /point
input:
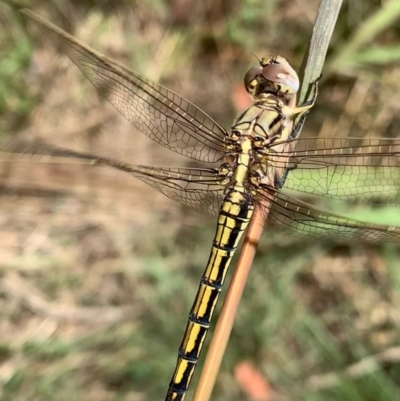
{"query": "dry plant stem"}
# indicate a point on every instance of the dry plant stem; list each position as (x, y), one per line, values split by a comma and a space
(314, 59)
(229, 309)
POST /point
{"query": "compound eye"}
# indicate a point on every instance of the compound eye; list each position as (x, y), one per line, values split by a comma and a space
(282, 74)
(250, 80)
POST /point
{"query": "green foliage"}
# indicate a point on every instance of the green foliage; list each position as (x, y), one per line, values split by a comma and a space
(15, 99)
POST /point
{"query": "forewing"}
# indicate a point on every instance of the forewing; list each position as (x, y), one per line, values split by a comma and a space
(159, 113)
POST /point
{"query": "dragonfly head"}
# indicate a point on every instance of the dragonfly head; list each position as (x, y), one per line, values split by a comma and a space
(273, 75)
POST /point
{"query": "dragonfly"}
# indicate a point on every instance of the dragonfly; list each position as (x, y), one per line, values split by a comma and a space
(259, 162)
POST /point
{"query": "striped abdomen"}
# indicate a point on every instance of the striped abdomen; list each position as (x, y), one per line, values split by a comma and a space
(233, 219)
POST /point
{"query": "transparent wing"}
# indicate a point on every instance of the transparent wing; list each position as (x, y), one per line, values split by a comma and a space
(307, 220)
(354, 169)
(201, 189)
(162, 115)
(196, 188)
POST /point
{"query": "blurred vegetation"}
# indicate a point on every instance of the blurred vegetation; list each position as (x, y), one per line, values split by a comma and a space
(96, 281)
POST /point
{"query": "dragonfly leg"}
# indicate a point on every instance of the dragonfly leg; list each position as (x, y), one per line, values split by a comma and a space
(304, 109)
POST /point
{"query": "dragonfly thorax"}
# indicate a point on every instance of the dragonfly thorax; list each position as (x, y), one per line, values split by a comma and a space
(257, 172)
(226, 168)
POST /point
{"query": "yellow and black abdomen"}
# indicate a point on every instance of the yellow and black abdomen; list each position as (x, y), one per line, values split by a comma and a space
(234, 216)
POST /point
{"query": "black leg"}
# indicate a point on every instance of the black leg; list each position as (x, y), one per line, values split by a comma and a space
(304, 109)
